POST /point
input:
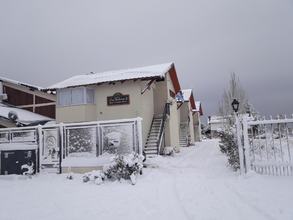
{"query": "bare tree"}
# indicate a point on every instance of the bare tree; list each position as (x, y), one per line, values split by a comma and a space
(234, 91)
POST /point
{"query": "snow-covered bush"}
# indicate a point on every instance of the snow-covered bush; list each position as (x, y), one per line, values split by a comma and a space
(28, 169)
(96, 177)
(169, 151)
(125, 167)
(69, 176)
(228, 146)
(122, 167)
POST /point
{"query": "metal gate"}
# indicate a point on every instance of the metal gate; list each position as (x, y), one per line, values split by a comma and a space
(268, 146)
(50, 152)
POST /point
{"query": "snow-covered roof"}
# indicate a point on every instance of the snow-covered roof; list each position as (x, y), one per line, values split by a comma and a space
(117, 75)
(4, 79)
(218, 119)
(197, 105)
(186, 94)
(24, 116)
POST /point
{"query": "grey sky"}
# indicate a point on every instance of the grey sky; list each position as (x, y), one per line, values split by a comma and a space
(43, 42)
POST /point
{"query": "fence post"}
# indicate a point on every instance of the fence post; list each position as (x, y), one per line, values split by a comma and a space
(139, 134)
(61, 146)
(40, 153)
(246, 144)
(239, 144)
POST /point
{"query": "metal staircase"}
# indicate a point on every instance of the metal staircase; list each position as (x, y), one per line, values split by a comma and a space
(154, 141)
(151, 147)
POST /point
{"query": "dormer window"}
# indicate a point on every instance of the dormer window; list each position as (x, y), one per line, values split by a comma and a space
(75, 96)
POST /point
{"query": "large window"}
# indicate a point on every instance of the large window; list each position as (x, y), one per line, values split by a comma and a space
(75, 96)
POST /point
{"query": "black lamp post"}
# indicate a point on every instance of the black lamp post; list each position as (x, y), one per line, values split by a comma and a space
(235, 105)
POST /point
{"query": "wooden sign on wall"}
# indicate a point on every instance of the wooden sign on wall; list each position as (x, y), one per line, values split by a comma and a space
(118, 99)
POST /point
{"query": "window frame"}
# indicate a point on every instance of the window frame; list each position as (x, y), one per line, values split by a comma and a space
(69, 91)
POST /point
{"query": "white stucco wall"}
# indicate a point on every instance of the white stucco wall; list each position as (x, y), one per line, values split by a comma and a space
(78, 113)
(197, 126)
(172, 137)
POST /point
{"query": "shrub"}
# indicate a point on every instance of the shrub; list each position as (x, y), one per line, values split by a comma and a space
(228, 146)
(169, 151)
(122, 167)
(125, 167)
(96, 176)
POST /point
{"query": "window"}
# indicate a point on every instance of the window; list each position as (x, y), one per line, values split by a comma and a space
(75, 96)
(64, 97)
(90, 96)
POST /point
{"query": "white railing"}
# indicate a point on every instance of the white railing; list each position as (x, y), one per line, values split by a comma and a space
(268, 146)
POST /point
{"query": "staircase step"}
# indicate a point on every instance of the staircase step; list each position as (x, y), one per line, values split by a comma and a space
(151, 152)
(148, 148)
(155, 140)
(151, 145)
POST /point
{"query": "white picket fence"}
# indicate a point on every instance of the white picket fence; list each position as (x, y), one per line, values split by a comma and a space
(267, 146)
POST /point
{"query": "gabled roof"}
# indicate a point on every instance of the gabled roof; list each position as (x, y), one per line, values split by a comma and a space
(12, 81)
(198, 107)
(147, 72)
(186, 94)
(188, 97)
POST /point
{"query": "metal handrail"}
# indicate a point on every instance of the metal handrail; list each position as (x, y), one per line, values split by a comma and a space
(162, 128)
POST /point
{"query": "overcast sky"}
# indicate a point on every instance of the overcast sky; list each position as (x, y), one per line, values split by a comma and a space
(43, 42)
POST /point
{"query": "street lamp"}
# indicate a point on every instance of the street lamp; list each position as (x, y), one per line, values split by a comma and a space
(235, 105)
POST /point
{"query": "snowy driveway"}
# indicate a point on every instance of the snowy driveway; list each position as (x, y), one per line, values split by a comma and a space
(195, 184)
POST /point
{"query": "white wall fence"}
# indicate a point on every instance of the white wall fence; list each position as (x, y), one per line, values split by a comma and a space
(57, 142)
(267, 146)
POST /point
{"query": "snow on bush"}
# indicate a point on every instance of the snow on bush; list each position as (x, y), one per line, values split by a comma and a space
(126, 167)
(28, 169)
(169, 151)
(228, 146)
(96, 176)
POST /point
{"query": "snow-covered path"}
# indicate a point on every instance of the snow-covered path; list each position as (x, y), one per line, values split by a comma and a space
(195, 184)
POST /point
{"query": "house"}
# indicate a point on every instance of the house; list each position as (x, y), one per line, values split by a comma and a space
(217, 124)
(24, 104)
(28, 97)
(190, 125)
(148, 92)
(186, 118)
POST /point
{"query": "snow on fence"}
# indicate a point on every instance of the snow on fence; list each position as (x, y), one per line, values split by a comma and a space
(84, 140)
(268, 146)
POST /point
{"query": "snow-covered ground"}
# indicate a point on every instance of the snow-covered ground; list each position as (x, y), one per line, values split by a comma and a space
(195, 184)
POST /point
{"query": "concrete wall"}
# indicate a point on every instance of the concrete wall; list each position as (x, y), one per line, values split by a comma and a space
(160, 96)
(197, 126)
(184, 112)
(78, 113)
(186, 117)
(173, 123)
(147, 112)
(191, 126)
